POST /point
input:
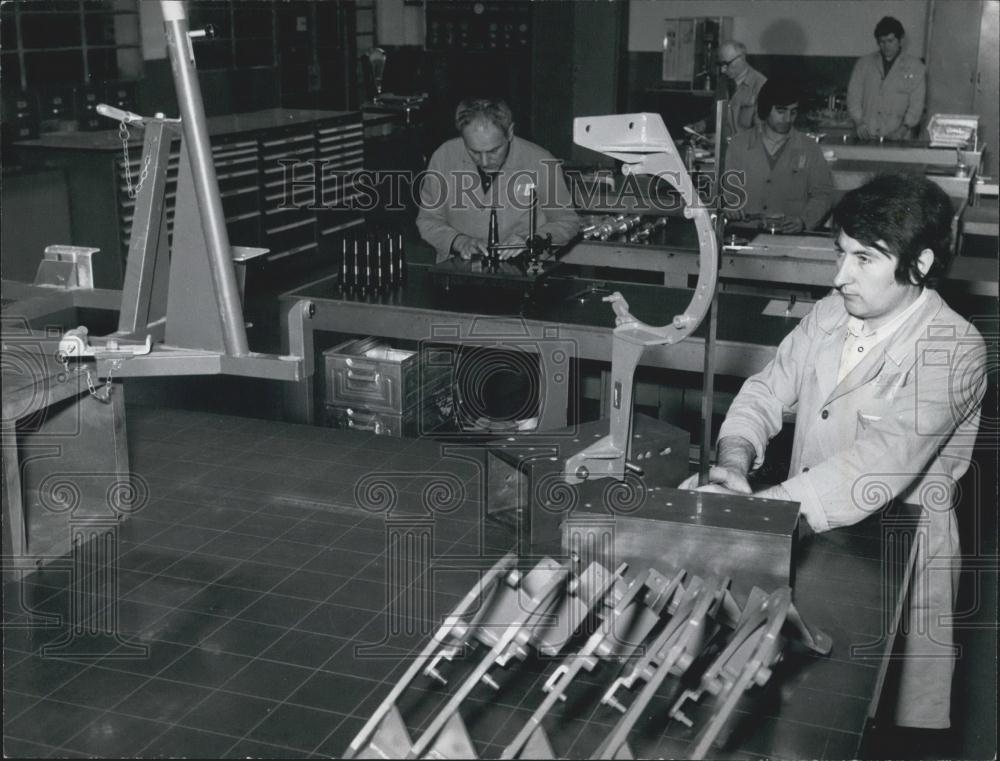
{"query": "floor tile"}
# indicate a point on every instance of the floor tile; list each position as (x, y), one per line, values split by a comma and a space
(219, 600)
(278, 610)
(268, 679)
(162, 700)
(259, 576)
(252, 749)
(335, 620)
(14, 703)
(184, 627)
(98, 687)
(114, 736)
(338, 692)
(183, 742)
(50, 722)
(201, 566)
(304, 648)
(228, 713)
(310, 585)
(204, 668)
(295, 726)
(158, 656)
(164, 590)
(14, 748)
(291, 554)
(337, 742)
(242, 637)
(39, 675)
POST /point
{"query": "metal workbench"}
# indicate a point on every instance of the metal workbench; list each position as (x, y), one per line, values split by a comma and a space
(565, 314)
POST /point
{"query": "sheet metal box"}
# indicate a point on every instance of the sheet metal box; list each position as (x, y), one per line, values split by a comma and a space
(368, 373)
(749, 539)
(525, 483)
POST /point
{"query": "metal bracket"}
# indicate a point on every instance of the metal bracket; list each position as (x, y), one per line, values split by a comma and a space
(747, 660)
(642, 143)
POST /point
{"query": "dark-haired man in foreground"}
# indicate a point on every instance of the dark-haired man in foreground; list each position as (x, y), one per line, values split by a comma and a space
(886, 382)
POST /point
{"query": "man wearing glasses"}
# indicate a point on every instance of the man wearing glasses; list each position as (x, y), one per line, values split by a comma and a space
(744, 84)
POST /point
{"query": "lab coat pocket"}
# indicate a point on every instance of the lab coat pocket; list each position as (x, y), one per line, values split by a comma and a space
(865, 421)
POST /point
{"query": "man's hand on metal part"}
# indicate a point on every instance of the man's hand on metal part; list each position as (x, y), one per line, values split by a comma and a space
(864, 132)
(513, 240)
(735, 215)
(466, 246)
(721, 480)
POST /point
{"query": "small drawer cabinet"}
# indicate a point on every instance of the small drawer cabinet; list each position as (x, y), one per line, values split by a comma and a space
(374, 387)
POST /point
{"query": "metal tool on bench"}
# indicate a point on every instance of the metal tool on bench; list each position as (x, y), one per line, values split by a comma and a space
(183, 297)
(642, 143)
(534, 247)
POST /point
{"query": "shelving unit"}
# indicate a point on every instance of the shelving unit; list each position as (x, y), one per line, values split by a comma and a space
(261, 208)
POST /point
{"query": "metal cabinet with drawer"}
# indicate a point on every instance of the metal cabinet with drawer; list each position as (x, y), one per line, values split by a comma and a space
(374, 387)
(259, 157)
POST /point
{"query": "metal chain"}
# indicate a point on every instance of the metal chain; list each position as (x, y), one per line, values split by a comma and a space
(102, 394)
(123, 133)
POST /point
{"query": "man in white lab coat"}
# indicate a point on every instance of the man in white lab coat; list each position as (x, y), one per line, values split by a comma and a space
(885, 96)
(886, 382)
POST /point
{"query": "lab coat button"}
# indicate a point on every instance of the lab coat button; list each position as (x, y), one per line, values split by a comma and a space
(805, 470)
(825, 414)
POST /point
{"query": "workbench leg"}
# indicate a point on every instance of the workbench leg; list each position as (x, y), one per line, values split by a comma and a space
(557, 358)
(13, 504)
(297, 339)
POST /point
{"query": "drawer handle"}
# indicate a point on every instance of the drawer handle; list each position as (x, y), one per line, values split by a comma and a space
(363, 422)
(361, 375)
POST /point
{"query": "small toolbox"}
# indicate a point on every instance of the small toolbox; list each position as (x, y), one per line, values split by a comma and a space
(367, 372)
(372, 386)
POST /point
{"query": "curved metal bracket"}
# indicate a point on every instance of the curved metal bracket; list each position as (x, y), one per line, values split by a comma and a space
(642, 142)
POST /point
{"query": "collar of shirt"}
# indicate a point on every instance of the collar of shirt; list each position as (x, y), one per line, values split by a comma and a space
(859, 343)
(772, 144)
(741, 77)
(856, 326)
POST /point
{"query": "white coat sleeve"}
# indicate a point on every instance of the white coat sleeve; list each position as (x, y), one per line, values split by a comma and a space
(432, 218)
(757, 411)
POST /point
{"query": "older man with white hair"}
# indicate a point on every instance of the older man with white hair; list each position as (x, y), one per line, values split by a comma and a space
(744, 83)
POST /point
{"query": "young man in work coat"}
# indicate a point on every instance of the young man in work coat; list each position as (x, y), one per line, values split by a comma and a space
(781, 171)
(886, 382)
(885, 96)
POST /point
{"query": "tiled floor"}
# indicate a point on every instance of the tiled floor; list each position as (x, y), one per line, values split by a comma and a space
(249, 577)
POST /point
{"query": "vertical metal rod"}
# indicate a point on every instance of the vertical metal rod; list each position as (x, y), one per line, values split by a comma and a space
(708, 383)
(206, 184)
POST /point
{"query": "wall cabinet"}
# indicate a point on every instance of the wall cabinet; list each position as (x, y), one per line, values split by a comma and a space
(252, 154)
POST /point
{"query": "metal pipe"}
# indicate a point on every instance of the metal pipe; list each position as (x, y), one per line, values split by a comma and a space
(206, 184)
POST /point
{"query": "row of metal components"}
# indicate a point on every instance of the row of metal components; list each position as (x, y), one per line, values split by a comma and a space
(658, 627)
(372, 262)
(621, 227)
